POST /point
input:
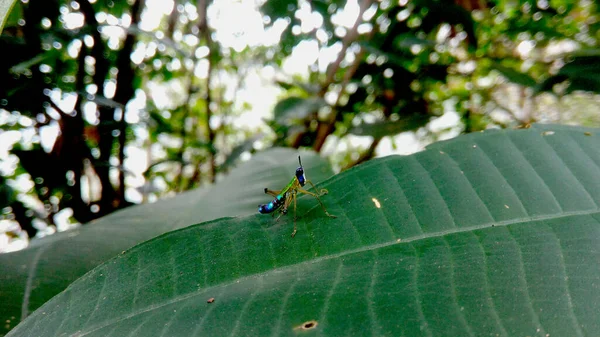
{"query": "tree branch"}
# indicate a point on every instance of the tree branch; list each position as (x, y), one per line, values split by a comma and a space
(346, 43)
(182, 132)
(125, 92)
(368, 154)
(205, 33)
(70, 150)
(212, 51)
(106, 114)
(324, 129)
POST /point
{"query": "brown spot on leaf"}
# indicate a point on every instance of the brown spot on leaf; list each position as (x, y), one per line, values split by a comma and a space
(308, 325)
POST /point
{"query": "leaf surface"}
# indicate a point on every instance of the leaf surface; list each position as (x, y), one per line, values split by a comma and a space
(293, 108)
(30, 277)
(5, 8)
(388, 128)
(582, 71)
(515, 76)
(493, 233)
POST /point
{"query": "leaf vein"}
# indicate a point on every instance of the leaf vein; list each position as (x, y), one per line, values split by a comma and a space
(415, 238)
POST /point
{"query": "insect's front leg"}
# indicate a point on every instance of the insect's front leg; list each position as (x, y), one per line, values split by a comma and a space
(319, 200)
(284, 208)
(319, 192)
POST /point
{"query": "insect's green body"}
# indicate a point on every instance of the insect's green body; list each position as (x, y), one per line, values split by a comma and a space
(290, 185)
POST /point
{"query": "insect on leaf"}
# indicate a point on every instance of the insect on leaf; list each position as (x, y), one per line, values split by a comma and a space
(485, 234)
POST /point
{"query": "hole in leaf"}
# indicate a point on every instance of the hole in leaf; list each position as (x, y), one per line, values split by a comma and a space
(309, 325)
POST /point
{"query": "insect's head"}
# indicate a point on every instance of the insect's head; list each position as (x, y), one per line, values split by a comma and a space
(300, 173)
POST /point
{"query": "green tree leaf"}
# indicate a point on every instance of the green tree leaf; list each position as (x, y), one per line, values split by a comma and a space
(409, 40)
(445, 11)
(515, 76)
(493, 233)
(582, 72)
(7, 194)
(30, 277)
(388, 128)
(290, 109)
(237, 151)
(5, 8)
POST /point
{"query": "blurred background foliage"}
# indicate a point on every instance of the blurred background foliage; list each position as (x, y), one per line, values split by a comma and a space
(105, 104)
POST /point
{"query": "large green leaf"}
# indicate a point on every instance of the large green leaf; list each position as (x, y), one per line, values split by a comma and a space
(582, 71)
(5, 7)
(515, 76)
(489, 234)
(30, 277)
(237, 151)
(292, 109)
(388, 128)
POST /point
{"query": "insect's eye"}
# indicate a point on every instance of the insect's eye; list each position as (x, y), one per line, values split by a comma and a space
(299, 171)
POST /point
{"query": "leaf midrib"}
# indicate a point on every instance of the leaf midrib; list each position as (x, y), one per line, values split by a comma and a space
(424, 236)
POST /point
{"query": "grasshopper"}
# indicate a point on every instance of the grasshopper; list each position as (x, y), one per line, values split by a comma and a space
(284, 197)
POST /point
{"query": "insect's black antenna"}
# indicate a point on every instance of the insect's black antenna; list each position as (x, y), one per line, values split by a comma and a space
(299, 162)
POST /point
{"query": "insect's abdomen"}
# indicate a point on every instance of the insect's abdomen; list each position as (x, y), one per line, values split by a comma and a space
(272, 206)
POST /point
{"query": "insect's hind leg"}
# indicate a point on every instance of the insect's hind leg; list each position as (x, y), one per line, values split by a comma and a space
(272, 192)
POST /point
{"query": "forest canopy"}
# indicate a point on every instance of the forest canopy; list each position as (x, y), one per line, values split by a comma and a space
(105, 104)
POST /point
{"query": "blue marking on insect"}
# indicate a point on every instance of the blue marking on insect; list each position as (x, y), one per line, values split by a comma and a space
(272, 206)
(265, 209)
(300, 176)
